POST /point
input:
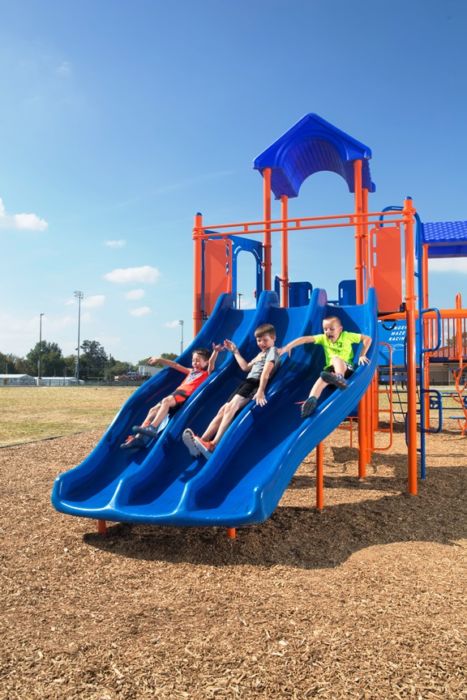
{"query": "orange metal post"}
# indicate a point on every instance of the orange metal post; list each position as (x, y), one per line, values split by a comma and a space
(197, 273)
(320, 476)
(408, 214)
(362, 412)
(285, 252)
(231, 533)
(267, 227)
(459, 339)
(101, 527)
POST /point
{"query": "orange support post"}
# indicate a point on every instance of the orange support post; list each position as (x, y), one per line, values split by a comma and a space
(267, 229)
(197, 273)
(102, 527)
(359, 280)
(408, 214)
(320, 476)
(231, 533)
(285, 252)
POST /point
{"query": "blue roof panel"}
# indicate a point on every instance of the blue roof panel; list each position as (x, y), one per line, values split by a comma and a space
(313, 145)
(446, 239)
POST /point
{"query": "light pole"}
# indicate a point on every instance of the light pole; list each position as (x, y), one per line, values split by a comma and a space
(39, 361)
(79, 296)
(239, 299)
(181, 336)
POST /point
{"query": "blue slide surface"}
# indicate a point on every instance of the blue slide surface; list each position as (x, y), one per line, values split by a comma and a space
(244, 479)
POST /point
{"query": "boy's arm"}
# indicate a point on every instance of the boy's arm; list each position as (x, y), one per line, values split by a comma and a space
(366, 342)
(168, 363)
(298, 341)
(244, 365)
(216, 349)
(260, 396)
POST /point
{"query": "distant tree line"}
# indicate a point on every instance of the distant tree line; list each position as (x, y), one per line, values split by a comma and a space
(94, 362)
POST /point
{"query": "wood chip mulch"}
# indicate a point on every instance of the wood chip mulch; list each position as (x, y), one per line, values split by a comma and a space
(365, 600)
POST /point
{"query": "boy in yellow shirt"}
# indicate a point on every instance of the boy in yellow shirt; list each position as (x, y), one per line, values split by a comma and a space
(338, 353)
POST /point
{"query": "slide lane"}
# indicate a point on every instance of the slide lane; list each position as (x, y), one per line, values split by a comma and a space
(92, 484)
(245, 478)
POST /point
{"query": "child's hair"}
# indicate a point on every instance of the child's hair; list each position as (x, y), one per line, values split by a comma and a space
(333, 318)
(202, 352)
(265, 329)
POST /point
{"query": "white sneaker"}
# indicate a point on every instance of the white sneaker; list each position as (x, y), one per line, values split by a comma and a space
(188, 439)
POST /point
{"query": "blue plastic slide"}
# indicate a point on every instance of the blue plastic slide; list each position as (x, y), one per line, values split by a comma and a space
(244, 479)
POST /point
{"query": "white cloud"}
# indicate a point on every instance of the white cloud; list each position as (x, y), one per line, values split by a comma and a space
(124, 275)
(93, 302)
(141, 311)
(172, 324)
(116, 244)
(21, 222)
(448, 265)
(135, 294)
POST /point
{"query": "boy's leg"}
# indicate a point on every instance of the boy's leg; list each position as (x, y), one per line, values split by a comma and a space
(213, 426)
(164, 407)
(152, 413)
(230, 410)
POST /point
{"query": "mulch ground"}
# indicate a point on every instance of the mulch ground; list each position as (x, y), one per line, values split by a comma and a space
(365, 600)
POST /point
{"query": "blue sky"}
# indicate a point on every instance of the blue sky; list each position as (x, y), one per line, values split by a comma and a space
(121, 119)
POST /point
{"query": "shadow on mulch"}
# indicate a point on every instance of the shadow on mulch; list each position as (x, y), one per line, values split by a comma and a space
(301, 537)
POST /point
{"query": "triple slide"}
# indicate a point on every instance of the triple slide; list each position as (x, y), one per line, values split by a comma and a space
(244, 479)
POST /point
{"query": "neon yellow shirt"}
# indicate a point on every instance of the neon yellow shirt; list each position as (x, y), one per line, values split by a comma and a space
(341, 348)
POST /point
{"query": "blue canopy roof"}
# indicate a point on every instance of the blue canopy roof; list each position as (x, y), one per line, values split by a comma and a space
(311, 146)
(445, 239)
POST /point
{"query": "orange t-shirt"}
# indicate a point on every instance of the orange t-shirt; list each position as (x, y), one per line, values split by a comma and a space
(192, 382)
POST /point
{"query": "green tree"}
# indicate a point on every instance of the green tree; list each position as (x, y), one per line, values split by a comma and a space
(93, 360)
(52, 361)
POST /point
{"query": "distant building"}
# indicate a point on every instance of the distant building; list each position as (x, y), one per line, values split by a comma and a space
(148, 370)
(17, 380)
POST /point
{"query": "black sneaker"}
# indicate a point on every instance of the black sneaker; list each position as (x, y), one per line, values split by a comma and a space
(133, 443)
(334, 379)
(149, 430)
(309, 406)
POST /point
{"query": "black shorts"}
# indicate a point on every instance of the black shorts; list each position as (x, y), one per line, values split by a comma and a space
(247, 389)
(348, 372)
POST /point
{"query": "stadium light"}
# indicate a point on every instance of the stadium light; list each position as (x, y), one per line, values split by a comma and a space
(78, 295)
(181, 336)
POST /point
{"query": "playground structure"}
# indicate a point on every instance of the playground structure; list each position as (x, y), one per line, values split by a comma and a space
(244, 479)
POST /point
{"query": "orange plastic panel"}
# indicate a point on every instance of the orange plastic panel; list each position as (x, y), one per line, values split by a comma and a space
(217, 271)
(387, 271)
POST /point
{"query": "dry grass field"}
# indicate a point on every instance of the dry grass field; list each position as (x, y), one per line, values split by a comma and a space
(363, 601)
(35, 413)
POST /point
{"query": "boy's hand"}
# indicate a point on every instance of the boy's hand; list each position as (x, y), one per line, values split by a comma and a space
(219, 347)
(260, 398)
(284, 350)
(363, 360)
(229, 345)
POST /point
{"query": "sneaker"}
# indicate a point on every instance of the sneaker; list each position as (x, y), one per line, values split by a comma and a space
(188, 439)
(334, 379)
(309, 406)
(133, 443)
(206, 447)
(149, 430)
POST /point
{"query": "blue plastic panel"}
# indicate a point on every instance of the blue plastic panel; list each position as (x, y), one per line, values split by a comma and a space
(446, 239)
(311, 146)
